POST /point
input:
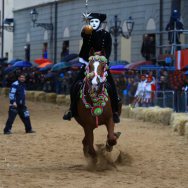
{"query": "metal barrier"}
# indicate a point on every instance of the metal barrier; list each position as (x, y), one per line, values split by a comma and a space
(164, 99)
(182, 101)
(186, 102)
(177, 100)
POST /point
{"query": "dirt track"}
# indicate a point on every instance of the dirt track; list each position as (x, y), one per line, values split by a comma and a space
(155, 157)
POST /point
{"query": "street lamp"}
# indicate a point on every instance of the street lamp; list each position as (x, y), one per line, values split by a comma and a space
(34, 16)
(117, 30)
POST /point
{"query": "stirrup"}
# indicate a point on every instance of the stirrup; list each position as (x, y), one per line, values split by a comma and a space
(68, 116)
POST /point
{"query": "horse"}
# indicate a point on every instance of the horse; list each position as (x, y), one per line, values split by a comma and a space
(94, 106)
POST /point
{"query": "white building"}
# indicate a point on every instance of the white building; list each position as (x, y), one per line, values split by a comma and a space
(9, 7)
(7, 45)
(21, 4)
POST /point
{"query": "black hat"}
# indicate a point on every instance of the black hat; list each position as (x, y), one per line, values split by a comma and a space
(99, 16)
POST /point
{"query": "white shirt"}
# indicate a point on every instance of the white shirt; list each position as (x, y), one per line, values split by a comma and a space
(140, 89)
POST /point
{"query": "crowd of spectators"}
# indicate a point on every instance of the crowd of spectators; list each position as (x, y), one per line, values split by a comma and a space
(126, 82)
(40, 81)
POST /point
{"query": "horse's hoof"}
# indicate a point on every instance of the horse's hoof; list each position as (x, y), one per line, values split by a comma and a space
(67, 116)
(108, 147)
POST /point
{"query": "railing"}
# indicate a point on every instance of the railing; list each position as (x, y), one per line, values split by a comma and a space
(169, 49)
(177, 100)
(163, 99)
(182, 101)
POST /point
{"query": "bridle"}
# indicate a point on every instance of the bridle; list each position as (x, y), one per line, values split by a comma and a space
(94, 85)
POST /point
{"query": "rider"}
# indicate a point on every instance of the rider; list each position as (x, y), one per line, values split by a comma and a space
(98, 40)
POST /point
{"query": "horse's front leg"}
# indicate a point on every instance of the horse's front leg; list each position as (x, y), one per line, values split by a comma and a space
(110, 128)
(87, 142)
(111, 137)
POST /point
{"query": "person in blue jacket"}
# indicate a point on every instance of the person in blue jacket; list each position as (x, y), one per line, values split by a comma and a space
(17, 106)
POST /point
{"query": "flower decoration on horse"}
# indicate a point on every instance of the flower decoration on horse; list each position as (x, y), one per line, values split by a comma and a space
(94, 84)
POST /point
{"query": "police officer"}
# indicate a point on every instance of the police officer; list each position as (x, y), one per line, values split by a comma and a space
(98, 40)
(17, 106)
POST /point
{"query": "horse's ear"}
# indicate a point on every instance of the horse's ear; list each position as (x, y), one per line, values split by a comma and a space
(92, 52)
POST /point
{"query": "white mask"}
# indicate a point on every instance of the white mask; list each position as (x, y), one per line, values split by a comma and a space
(95, 23)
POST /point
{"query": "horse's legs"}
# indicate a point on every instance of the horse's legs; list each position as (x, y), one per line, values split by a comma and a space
(111, 137)
(85, 147)
(88, 143)
(110, 129)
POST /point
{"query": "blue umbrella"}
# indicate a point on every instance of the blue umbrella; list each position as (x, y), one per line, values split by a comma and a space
(60, 66)
(9, 69)
(22, 64)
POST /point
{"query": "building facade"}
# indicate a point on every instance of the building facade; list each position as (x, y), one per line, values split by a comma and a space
(6, 45)
(66, 18)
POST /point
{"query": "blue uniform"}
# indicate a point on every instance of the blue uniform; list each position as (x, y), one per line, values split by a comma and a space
(17, 95)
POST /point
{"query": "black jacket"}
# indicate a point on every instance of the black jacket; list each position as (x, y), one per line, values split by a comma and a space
(99, 41)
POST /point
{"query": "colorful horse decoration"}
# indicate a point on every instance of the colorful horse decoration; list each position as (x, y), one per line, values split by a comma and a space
(94, 106)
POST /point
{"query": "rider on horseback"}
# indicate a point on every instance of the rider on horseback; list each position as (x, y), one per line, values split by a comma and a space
(98, 40)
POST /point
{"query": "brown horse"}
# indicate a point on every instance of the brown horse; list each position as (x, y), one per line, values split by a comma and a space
(94, 106)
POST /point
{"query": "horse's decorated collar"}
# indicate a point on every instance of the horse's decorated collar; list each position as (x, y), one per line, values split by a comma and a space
(98, 102)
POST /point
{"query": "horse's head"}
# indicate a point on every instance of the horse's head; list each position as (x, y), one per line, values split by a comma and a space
(96, 71)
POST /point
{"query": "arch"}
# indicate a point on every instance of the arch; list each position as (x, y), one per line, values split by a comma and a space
(45, 35)
(28, 38)
(151, 24)
(66, 33)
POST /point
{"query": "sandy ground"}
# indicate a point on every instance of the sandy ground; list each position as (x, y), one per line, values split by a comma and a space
(153, 155)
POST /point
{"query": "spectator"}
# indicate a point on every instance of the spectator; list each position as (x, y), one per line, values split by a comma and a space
(148, 48)
(17, 106)
(163, 84)
(138, 97)
(149, 89)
